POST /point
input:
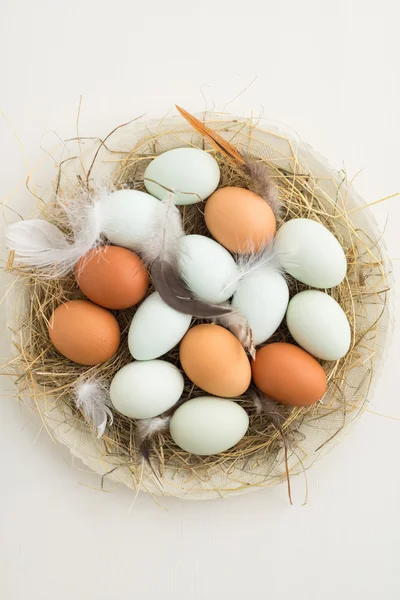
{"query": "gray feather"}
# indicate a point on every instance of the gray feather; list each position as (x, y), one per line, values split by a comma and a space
(161, 253)
(270, 408)
(238, 325)
(174, 291)
(262, 184)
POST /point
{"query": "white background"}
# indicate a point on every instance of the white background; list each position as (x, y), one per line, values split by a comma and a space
(328, 69)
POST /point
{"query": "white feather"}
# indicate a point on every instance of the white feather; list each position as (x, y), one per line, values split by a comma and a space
(93, 399)
(166, 231)
(43, 246)
(148, 428)
(254, 260)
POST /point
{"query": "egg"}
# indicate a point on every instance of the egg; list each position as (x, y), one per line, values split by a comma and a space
(310, 253)
(319, 325)
(239, 219)
(208, 425)
(190, 173)
(145, 389)
(84, 332)
(156, 328)
(128, 217)
(112, 277)
(208, 269)
(288, 374)
(262, 297)
(215, 361)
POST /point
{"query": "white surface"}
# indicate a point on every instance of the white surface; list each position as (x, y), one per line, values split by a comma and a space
(330, 70)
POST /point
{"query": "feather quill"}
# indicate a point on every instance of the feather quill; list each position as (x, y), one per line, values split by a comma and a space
(161, 253)
(257, 171)
(41, 245)
(93, 399)
(274, 413)
(218, 141)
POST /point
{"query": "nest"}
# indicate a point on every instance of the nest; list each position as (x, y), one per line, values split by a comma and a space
(308, 188)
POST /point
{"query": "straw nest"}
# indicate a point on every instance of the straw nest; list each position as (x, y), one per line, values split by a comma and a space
(308, 188)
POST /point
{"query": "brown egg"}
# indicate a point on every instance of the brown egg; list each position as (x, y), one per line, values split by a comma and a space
(84, 332)
(239, 219)
(288, 374)
(112, 277)
(215, 361)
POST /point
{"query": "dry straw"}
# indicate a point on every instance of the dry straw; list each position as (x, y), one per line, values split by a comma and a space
(308, 188)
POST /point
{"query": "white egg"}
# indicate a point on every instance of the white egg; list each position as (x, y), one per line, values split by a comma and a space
(145, 389)
(310, 253)
(262, 297)
(190, 173)
(128, 217)
(319, 325)
(156, 328)
(208, 269)
(208, 425)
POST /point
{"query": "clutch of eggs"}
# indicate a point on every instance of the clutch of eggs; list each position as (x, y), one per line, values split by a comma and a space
(240, 221)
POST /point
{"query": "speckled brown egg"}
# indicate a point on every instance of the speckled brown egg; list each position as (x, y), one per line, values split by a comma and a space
(84, 332)
(288, 374)
(215, 361)
(112, 277)
(239, 219)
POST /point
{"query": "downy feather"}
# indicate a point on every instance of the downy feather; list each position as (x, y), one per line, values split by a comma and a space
(263, 185)
(148, 429)
(265, 405)
(161, 253)
(253, 260)
(41, 245)
(93, 399)
(238, 325)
